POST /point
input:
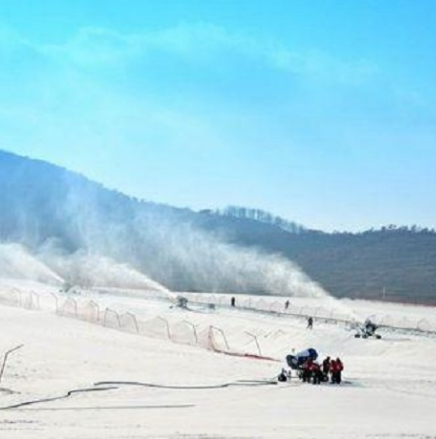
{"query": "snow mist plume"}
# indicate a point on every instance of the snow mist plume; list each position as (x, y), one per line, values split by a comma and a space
(183, 257)
(92, 270)
(93, 236)
(17, 263)
(210, 264)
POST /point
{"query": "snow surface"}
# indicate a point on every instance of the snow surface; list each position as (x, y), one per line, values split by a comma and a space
(389, 389)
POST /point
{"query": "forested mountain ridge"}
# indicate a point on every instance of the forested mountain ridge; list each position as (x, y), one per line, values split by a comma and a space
(393, 263)
(40, 202)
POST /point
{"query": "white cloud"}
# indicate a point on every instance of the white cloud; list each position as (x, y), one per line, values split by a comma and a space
(204, 44)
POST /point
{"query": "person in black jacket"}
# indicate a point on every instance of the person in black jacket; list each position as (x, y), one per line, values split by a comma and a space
(339, 369)
(326, 368)
(310, 323)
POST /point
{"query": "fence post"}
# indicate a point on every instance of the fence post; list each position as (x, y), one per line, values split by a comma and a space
(134, 320)
(97, 309)
(222, 333)
(108, 310)
(255, 339)
(73, 301)
(6, 357)
(193, 328)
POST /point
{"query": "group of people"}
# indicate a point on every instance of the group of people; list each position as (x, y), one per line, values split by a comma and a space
(316, 373)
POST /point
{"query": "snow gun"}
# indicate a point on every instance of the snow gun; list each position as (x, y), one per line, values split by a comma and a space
(367, 330)
(298, 360)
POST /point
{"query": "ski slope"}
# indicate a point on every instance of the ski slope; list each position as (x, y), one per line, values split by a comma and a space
(129, 386)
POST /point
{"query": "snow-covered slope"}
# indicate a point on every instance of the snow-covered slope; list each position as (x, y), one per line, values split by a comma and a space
(143, 387)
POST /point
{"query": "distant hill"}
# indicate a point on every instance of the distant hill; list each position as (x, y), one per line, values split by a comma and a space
(55, 212)
(393, 263)
(70, 223)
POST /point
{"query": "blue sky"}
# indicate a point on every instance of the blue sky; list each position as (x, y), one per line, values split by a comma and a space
(321, 111)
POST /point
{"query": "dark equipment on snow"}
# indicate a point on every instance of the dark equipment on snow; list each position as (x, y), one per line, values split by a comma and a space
(296, 361)
(181, 302)
(306, 366)
(367, 330)
(284, 375)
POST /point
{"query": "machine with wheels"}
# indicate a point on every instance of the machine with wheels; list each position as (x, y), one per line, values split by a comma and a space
(367, 330)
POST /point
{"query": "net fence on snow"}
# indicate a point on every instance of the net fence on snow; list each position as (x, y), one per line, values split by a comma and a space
(237, 341)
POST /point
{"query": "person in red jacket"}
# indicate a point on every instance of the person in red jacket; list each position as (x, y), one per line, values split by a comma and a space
(307, 371)
(336, 368)
(316, 373)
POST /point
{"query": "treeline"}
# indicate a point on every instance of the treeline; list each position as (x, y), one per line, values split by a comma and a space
(392, 228)
(258, 215)
(266, 217)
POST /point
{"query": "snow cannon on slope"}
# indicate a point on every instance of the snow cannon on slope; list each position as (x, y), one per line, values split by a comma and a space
(181, 302)
(297, 361)
(368, 329)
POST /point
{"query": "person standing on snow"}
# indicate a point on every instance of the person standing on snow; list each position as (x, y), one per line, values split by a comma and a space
(316, 373)
(310, 323)
(307, 371)
(340, 368)
(336, 368)
(333, 371)
(287, 304)
(326, 368)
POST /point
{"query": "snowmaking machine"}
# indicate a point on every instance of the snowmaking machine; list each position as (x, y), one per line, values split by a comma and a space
(367, 330)
(297, 361)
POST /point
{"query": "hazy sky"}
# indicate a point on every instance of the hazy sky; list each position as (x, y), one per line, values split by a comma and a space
(321, 111)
